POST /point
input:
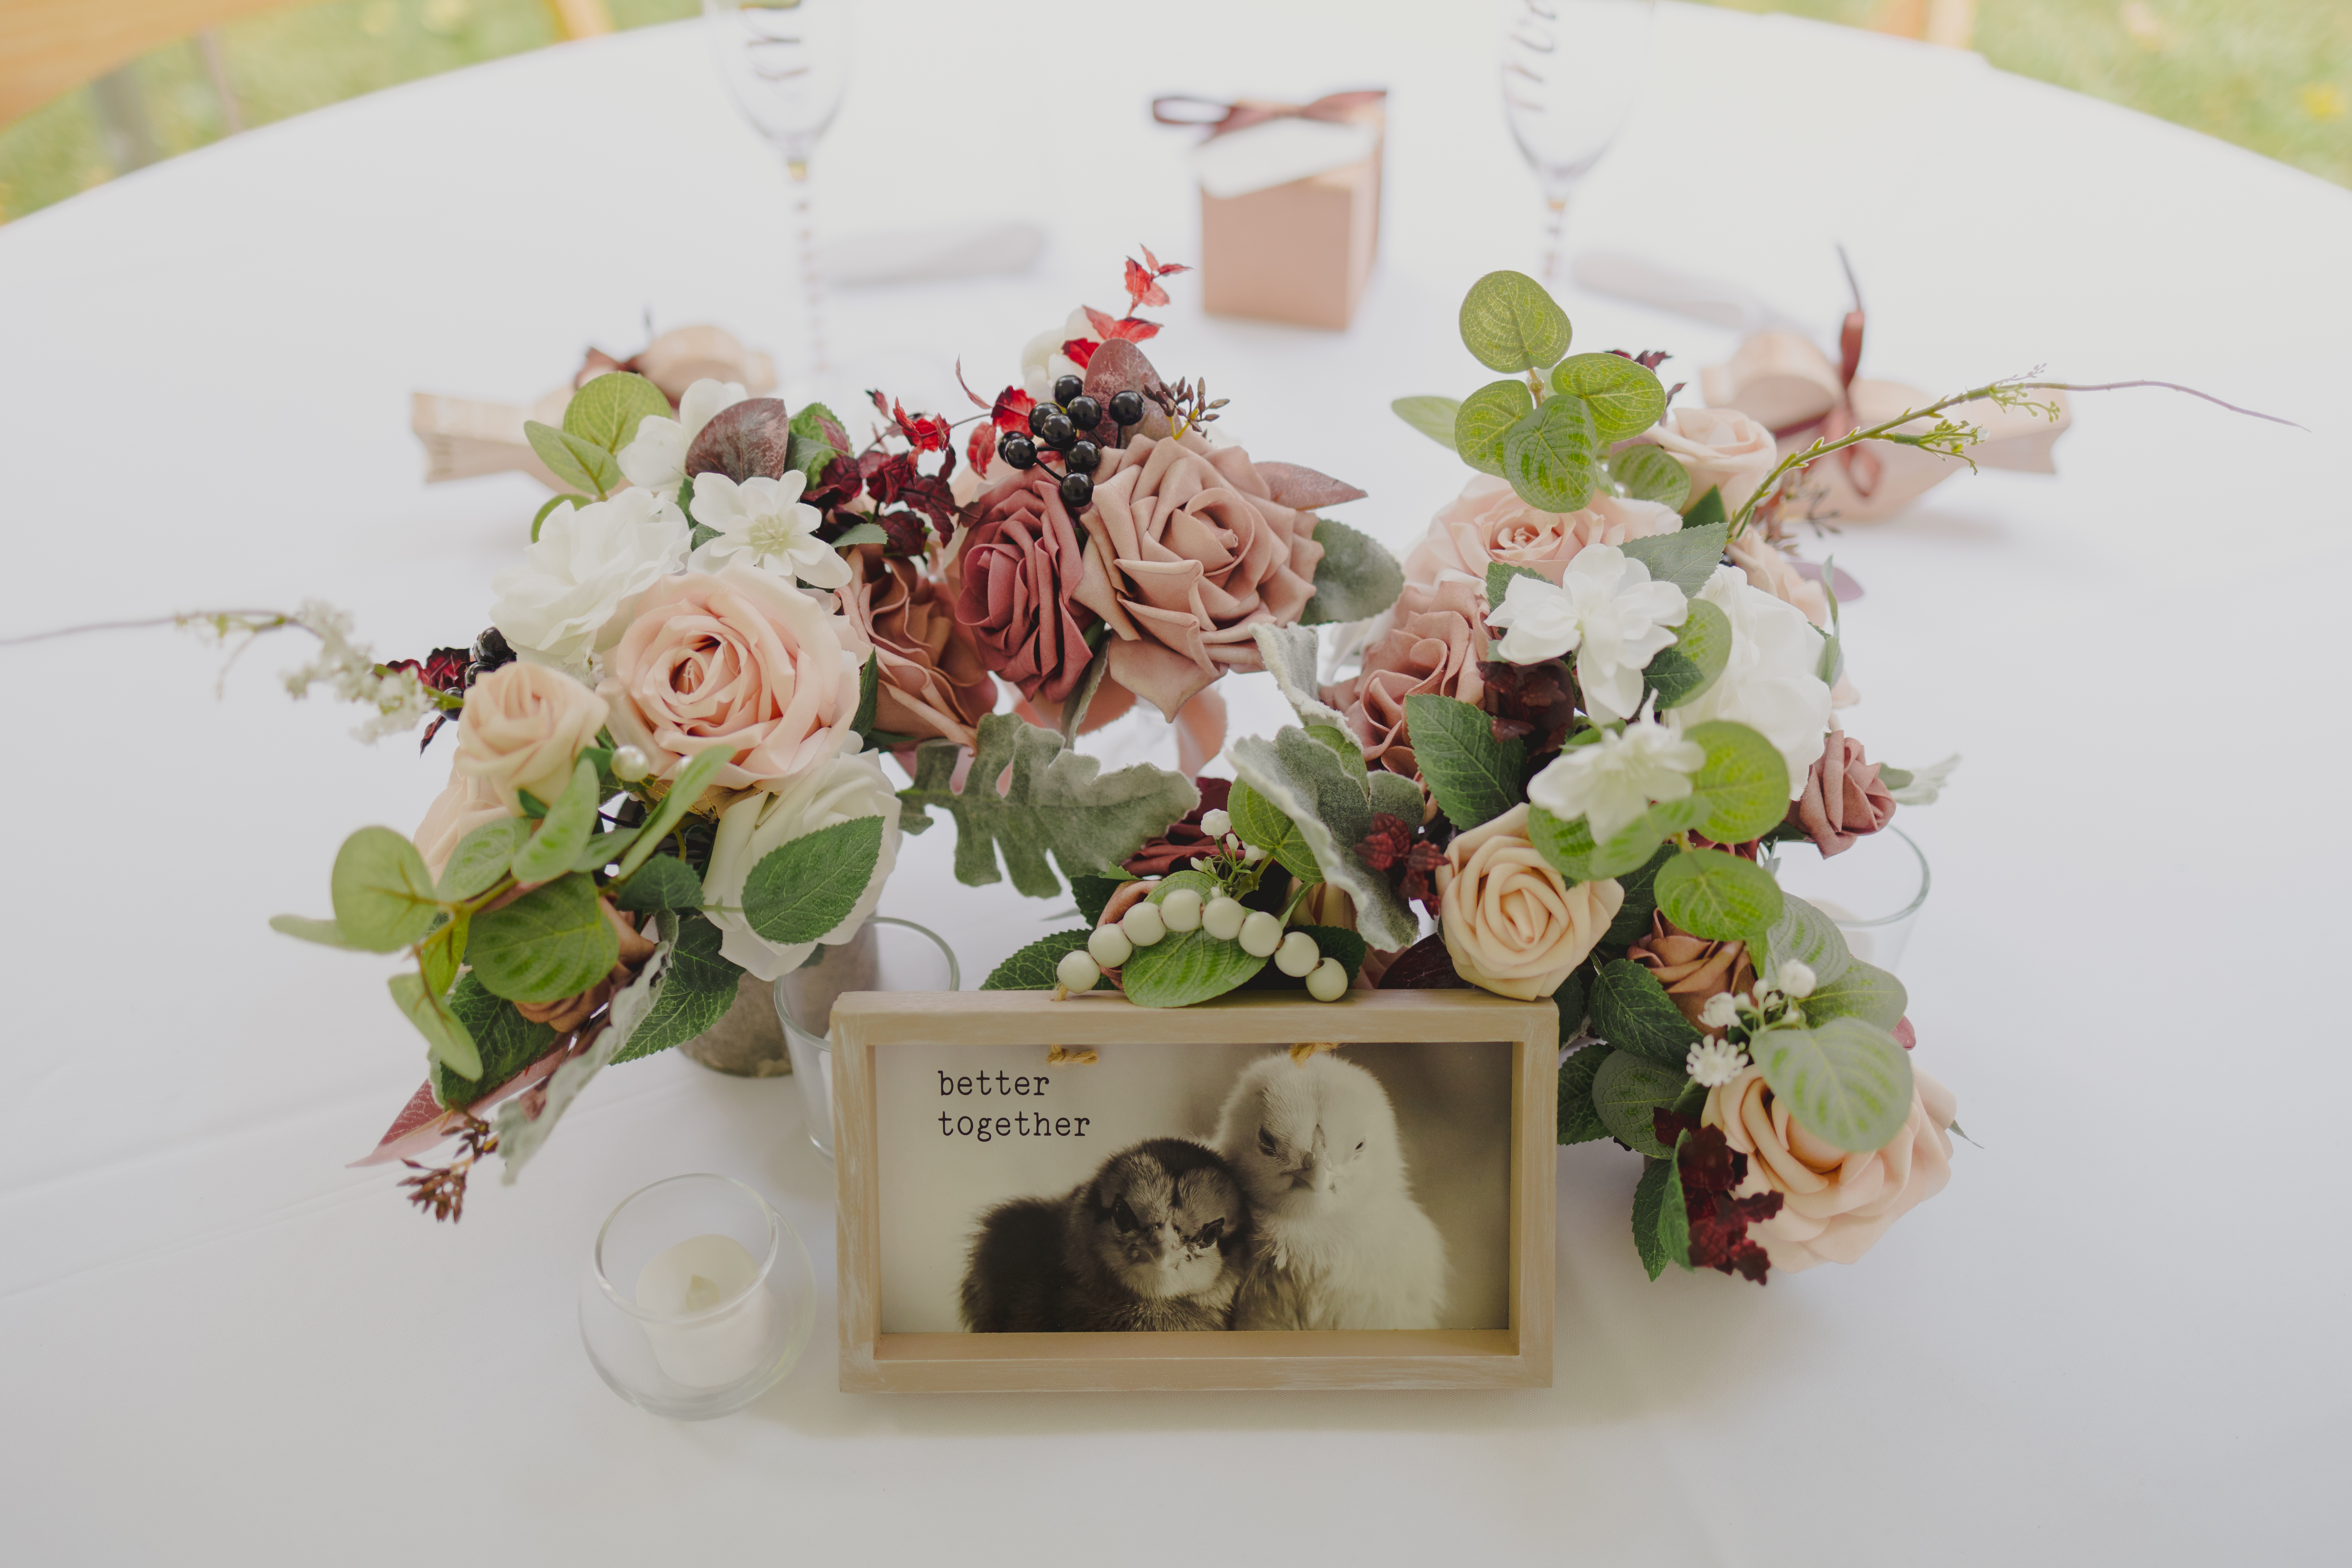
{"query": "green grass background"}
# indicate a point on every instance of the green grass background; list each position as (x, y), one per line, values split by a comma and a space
(2272, 74)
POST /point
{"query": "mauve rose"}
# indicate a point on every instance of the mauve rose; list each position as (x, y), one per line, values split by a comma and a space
(1488, 522)
(932, 679)
(740, 659)
(1185, 841)
(1186, 554)
(522, 727)
(1510, 922)
(1432, 645)
(1834, 1204)
(1720, 449)
(1843, 799)
(1692, 968)
(1017, 568)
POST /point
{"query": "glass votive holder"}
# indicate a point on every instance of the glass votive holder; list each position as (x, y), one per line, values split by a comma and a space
(1873, 889)
(887, 955)
(697, 1299)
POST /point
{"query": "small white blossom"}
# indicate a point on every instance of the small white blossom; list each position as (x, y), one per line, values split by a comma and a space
(1612, 780)
(655, 459)
(764, 524)
(1253, 854)
(349, 670)
(1793, 979)
(1713, 1063)
(1722, 1011)
(1215, 824)
(1606, 611)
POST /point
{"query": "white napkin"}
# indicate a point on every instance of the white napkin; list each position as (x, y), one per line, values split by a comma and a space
(1276, 151)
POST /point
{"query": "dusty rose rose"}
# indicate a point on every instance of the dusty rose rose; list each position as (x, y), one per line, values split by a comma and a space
(522, 727)
(1843, 799)
(461, 807)
(1719, 449)
(1488, 522)
(932, 682)
(1017, 568)
(1185, 841)
(742, 659)
(1767, 568)
(1186, 552)
(1834, 1204)
(1434, 645)
(1692, 968)
(1510, 923)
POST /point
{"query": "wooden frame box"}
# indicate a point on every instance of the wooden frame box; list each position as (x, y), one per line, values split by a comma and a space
(1008, 1029)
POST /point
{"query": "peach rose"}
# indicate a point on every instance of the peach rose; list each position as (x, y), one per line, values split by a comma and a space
(1834, 1204)
(460, 807)
(1488, 522)
(522, 727)
(1434, 645)
(1510, 923)
(931, 679)
(1720, 449)
(1187, 552)
(743, 658)
(1763, 564)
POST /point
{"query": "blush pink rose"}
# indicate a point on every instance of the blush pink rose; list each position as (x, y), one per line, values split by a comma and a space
(1763, 564)
(460, 807)
(1187, 552)
(524, 726)
(1720, 449)
(1834, 1204)
(1432, 645)
(740, 659)
(1488, 522)
(1510, 922)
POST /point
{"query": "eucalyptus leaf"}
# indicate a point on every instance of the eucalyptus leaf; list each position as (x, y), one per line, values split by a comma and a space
(1484, 419)
(1550, 456)
(557, 454)
(860, 533)
(1685, 558)
(1701, 652)
(1259, 824)
(1864, 992)
(1356, 579)
(605, 849)
(1649, 472)
(445, 1037)
(1846, 1081)
(1565, 843)
(1579, 1119)
(1433, 417)
(1511, 324)
(1715, 894)
(1743, 784)
(1475, 777)
(1032, 968)
(1805, 935)
(552, 943)
(383, 895)
(1640, 888)
(1625, 398)
(481, 857)
(804, 888)
(1632, 1012)
(563, 832)
(609, 409)
(1632, 845)
(684, 790)
(326, 933)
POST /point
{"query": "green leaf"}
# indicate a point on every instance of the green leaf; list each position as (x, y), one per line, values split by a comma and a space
(1185, 967)
(1572, 1000)
(804, 888)
(664, 882)
(1336, 942)
(1626, 1090)
(1498, 579)
(1579, 1119)
(541, 516)
(1094, 894)
(1632, 845)
(573, 460)
(1639, 887)
(1032, 968)
(1433, 417)
(1511, 324)
(1707, 510)
(507, 1042)
(383, 893)
(860, 533)
(1485, 420)
(1550, 457)
(1649, 1206)
(1292, 655)
(1848, 1082)
(1715, 894)
(445, 1037)
(1397, 795)
(809, 449)
(1812, 938)
(1743, 785)
(552, 943)
(684, 790)
(1674, 1210)
(1625, 398)
(696, 963)
(1357, 578)
(608, 410)
(605, 849)
(1053, 801)
(1649, 472)
(1686, 558)
(869, 694)
(1701, 652)
(1475, 777)
(696, 988)
(1330, 803)
(1632, 1012)
(440, 954)
(326, 933)
(1864, 992)
(1565, 845)
(480, 858)
(1259, 824)
(564, 831)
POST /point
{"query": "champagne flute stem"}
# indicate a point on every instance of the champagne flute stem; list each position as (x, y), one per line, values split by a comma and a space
(804, 222)
(1555, 226)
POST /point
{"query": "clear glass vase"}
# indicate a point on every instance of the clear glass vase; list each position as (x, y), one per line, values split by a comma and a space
(885, 954)
(1873, 889)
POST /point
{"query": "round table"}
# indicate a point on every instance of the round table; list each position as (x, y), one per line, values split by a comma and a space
(2114, 1338)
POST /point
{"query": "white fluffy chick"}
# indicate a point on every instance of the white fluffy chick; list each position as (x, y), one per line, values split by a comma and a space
(1340, 1242)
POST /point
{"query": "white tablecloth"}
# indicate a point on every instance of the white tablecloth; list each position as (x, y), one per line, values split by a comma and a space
(2116, 1337)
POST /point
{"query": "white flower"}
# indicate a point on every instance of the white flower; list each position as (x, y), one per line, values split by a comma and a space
(1216, 824)
(571, 595)
(399, 698)
(656, 457)
(1793, 979)
(1615, 779)
(1713, 1063)
(1606, 611)
(1722, 1011)
(763, 522)
(848, 788)
(1772, 684)
(1043, 362)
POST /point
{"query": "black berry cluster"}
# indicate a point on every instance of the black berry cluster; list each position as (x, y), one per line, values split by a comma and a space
(1063, 427)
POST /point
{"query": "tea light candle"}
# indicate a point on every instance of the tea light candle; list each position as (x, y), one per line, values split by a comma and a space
(689, 1280)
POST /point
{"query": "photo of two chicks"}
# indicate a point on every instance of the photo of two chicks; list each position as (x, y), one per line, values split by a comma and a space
(1299, 1213)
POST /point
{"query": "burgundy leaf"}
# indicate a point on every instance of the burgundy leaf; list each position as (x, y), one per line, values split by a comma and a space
(748, 440)
(1425, 966)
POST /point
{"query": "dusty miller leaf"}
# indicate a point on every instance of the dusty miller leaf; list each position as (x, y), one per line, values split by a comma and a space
(1331, 806)
(1433, 417)
(1357, 579)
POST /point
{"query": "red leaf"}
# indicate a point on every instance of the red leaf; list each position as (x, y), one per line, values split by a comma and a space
(906, 531)
(1100, 321)
(1141, 289)
(1161, 269)
(982, 448)
(929, 494)
(1011, 410)
(1078, 351)
(1134, 329)
(842, 482)
(1904, 1036)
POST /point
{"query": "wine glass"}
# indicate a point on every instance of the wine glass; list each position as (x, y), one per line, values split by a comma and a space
(787, 64)
(1570, 71)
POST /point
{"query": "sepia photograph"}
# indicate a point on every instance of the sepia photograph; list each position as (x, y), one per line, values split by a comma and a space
(1194, 1188)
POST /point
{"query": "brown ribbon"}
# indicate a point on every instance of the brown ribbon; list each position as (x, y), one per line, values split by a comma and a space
(1223, 119)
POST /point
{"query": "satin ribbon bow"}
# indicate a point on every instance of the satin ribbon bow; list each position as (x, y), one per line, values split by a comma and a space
(1223, 119)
